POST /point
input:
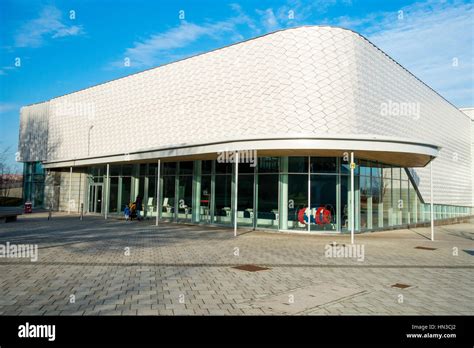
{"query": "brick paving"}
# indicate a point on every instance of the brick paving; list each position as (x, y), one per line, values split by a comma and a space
(117, 268)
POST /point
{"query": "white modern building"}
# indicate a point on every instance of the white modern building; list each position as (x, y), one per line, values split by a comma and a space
(301, 101)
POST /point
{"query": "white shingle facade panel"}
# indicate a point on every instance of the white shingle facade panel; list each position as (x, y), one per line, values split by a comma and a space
(33, 135)
(310, 80)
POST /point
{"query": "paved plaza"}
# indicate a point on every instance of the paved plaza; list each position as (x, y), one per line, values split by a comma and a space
(113, 267)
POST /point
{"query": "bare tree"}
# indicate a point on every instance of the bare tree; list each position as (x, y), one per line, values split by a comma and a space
(3, 171)
(8, 177)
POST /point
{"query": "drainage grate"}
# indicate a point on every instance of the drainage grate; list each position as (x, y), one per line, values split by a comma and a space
(424, 248)
(470, 252)
(251, 268)
(400, 286)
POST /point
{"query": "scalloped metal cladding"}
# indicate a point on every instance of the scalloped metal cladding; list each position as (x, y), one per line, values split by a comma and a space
(317, 81)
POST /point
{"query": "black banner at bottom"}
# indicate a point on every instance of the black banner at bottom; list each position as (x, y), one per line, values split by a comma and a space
(329, 330)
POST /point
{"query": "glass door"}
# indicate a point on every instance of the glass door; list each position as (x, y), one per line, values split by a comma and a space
(95, 198)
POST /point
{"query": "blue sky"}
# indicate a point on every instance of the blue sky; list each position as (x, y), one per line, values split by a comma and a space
(62, 51)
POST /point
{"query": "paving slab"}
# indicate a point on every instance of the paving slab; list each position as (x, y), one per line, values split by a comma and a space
(303, 299)
(86, 259)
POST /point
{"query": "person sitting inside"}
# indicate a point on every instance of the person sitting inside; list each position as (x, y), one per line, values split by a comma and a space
(133, 210)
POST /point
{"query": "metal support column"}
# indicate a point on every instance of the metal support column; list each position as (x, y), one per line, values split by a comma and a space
(107, 189)
(236, 191)
(69, 196)
(352, 198)
(158, 192)
(431, 199)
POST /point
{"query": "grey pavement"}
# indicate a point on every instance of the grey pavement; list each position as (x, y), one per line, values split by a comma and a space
(113, 267)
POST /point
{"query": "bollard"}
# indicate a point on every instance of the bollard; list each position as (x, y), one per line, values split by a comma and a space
(49, 212)
(82, 211)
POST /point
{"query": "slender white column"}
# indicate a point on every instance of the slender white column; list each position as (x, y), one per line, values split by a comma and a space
(431, 199)
(352, 198)
(69, 199)
(106, 193)
(283, 194)
(236, 191)
(157, 192)
(309, 194)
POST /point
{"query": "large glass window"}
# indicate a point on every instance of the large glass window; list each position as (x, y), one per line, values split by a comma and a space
(387, 196)
(126, 192)
(186, 168)
(404, 196)
(345, 199)
(323, 202)
(114, 192)
(297, 201)
(141, 186)
(151, 195)
(413, 197)
(34, 182)
(223, 203)
(295, 193)
(205, 202)
(168, 196)
(397, 202)
(298, 164)
(376, 189)
(206, 167)
(115, 170)
(245, 195)
(323, 165)
(169, 168)
(185, 191)
(185, 196)
(366, 202)
(267, 202)
(97, 170)
(268, 164)
(223, 168)
(245, 211)
(127, 170)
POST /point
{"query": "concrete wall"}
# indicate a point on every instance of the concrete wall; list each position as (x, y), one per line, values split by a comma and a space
(57, 191)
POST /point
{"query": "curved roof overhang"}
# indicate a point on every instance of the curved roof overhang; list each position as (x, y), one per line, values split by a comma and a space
(395, 151)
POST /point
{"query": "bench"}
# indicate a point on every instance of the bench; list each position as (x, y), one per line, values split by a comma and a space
(10, 214)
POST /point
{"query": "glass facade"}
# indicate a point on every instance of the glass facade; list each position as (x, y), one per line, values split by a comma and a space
(300, 194)
(168, 194)
(33, 183)
(185, 189)
(205, 188)
(267, 183)
(223, 188)
(245, 195)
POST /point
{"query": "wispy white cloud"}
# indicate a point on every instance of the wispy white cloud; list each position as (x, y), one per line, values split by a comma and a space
(428, 39)
(295, 12)
(245, 19)
(49, 24)
(3, 70)
(269, 20)
(304, 12)
(6, 107)
(161, 46)
(152, 50)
